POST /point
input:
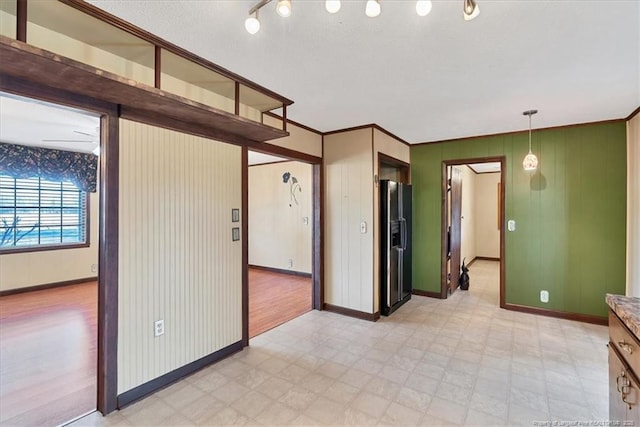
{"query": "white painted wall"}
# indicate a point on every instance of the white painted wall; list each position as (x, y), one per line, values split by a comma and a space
(348, 202)
(278, 231)
(486, 215)
(633, 206)
(22, 270)
(176, 258)
(468, 228)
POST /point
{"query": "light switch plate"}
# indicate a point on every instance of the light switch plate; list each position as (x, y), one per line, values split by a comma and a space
(363, 227)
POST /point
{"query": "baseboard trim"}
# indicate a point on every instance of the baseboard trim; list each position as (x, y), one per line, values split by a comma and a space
(372, 317)
(280, 270)
(47, 286)
(482, 258)
(585, 318)
(429, 294)
(143, 390)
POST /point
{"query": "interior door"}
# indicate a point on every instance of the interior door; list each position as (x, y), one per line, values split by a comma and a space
(455, 226)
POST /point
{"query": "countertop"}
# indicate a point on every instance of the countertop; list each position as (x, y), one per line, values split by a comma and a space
(628, 310)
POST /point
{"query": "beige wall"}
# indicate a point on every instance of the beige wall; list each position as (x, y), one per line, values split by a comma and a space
(486, 215)
(348, 202)
(299, 139)
(468, 214)
(382, 143)
(176, 258)
(43, 267)
(633, 206)
(278, 231)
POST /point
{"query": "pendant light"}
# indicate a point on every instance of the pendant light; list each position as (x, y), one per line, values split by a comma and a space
(252, 23)
(423, 7)
(530, 162)
(470, 10)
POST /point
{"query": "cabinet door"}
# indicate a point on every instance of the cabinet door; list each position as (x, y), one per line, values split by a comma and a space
(632, 399)
(617, 375)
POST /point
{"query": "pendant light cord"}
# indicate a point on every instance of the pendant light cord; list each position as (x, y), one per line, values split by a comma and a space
(529, 133)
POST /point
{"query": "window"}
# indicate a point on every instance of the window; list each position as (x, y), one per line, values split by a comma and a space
(38, 214)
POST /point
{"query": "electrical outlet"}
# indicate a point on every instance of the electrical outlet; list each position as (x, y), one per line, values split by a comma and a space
(94, 268)
(544, 296)
(158, 328)
(363, 227)
(290, 263)
(511, 225)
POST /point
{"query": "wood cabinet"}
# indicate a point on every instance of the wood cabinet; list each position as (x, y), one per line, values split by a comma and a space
(624, 367)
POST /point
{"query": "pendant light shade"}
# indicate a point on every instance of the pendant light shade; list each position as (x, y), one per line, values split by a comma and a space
(530, 162)
(332, 6)
(372, 9)
(284, 8)
(471, 10)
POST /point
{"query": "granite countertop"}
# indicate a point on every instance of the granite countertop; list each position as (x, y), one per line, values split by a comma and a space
(628, 310)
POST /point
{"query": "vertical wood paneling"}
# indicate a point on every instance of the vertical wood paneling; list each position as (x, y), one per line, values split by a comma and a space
(570, 214)
(177, 260)
(349, 201)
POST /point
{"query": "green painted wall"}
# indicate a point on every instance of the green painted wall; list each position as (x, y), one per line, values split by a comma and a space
(570, 215)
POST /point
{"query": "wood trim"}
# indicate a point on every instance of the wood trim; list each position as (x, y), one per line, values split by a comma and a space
(515, 132)
(585, 318)
(485, 258)
(271, 163)
(108, 261)
(245, 245)
(284, 118)
(42, 248)
(47, 286)
(27, 62)
(291, 122)
(633, 114)
(386, 132)
(276, 150)
(108, 225)
(351, 129)
(443, 266)
(318, 237)
(135, 394)
(236, 99)
(352, 313)
(104, 16)
(21, 20)
(157, 78)
(280, 270)
(403, 167)
(429, 294)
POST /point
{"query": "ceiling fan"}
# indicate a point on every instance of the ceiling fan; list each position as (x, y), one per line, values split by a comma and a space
(92, 139)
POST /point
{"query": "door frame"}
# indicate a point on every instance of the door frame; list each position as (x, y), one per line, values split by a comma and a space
(443, 220)
(107, 310)
(317, 252)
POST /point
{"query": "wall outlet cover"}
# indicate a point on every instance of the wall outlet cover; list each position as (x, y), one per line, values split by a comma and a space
(511, 225)
(158, 328)
(544, 296)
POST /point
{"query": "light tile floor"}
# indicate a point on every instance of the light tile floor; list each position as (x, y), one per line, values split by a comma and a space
(461, 361)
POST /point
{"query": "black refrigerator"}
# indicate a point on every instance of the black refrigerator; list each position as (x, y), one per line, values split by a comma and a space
(395, 245)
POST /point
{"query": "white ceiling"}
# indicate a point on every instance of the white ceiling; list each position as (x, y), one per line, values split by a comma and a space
(422, 78)
(485, 167)
(24, 121)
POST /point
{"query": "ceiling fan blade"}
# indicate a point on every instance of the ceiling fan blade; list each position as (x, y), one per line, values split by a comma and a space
(86, 133)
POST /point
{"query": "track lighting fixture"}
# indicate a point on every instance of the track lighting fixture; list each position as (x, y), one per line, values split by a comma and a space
(530, 162)
(372, 9)
(470, 10)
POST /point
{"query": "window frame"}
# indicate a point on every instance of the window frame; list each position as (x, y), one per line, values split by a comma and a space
(57, 246)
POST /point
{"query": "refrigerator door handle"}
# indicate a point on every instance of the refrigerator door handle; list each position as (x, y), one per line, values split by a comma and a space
(403, 233)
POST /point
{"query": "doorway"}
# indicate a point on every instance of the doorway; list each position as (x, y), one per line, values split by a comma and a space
(283, 232)
(49, 239)
(473, 194)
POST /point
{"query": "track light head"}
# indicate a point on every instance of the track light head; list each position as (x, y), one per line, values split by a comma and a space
(470, 10)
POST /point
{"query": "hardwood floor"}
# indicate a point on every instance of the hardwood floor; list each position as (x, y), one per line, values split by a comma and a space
(276, 298)
(48, 354)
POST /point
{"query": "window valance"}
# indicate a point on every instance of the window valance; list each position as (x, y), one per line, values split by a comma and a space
(21, 161)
